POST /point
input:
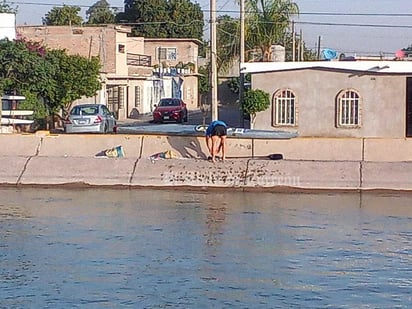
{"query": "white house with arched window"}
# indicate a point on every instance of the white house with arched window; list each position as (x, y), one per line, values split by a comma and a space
(336, 98)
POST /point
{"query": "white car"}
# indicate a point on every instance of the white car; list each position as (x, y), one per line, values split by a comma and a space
(90, 118)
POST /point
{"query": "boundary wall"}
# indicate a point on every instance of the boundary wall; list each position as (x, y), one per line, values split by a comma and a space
(309, 163)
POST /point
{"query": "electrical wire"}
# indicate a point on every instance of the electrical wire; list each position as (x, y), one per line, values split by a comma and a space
(297, 22)
(221, 10)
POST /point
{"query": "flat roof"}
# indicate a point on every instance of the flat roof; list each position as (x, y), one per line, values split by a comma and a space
(198, 42)
(382, 66)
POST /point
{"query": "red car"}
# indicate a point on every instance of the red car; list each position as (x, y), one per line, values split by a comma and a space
(170, 109)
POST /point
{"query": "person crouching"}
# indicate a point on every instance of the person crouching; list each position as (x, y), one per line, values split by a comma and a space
(216, 134)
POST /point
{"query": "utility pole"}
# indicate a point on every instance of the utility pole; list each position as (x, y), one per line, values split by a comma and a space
(319, 40)
(213, 56)
(302, 47)
(242, 58)
(293, 41)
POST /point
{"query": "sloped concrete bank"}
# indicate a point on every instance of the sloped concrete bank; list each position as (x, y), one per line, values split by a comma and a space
(309, 164)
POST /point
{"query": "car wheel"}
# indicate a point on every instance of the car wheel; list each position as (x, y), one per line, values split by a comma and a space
(181, 118)
(185, 119)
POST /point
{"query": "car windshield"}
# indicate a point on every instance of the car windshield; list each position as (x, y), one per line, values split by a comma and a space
(84, 110)
(169, 103)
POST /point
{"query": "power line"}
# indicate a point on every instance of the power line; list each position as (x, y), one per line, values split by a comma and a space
(315, 23)
(353, 25)
(235, 11)
(59, 4)
(298, 21)
(358, 14)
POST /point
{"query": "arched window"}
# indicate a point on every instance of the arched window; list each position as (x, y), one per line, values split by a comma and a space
(284, 108)
(348, 108)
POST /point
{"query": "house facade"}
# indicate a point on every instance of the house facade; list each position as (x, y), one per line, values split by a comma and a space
(132, 83)
(353, 99)
(176, 61)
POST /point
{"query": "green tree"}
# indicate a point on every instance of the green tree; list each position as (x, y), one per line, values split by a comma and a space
(7, 8)
(266, 23)
(163, 18)
(228, 43)
(50, 79)
(204, 90)
(255, 100)
(76, 76)
(204, 84)
(234, 83)
(65, 15)
(100, 13)
(149, 17)
(24, 71)
(35, 103)
(185, 19)
(23, 68)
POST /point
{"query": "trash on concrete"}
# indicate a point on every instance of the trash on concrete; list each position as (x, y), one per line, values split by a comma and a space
(169, 154)
(115, 152)
(275, 156)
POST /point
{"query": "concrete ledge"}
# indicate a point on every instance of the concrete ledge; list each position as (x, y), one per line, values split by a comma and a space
(323, 149)
(19, 145)
(70, 159)
(388, 150)
(192, 147)
(77, 170)
(304, 174)
(249, 174)
(11, 168)
(387, 175)
(197, 173)
(185, 147)
(190, 172)
(88, 145)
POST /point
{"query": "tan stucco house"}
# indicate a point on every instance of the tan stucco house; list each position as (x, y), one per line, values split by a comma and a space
(370, 99)
(132, 80)
(176, 61)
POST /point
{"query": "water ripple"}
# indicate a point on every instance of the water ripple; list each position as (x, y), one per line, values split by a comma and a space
(175, 249)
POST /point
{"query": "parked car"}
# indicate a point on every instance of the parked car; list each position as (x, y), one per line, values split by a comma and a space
(170, 109)
(90, 118)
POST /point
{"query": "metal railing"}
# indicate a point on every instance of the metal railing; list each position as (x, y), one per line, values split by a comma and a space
(139, 60)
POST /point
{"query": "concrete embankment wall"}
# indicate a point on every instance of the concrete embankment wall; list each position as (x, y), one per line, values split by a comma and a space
(309, 163)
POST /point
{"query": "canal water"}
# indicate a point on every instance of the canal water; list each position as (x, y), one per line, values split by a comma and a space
(98, 248)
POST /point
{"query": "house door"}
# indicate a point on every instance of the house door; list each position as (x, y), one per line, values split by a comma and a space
(115, 99)
(409, 107)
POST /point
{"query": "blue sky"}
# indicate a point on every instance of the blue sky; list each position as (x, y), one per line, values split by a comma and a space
(366, 33)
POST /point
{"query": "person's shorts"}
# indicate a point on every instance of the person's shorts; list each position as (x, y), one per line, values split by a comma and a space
(219, 130)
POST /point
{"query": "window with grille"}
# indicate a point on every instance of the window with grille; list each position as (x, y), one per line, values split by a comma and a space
(167, 53)
(284, 108)
(188, 93)
(137, 97)
(348, 108)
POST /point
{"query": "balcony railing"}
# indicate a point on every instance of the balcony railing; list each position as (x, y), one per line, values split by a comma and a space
(172, 71)
(139, 60)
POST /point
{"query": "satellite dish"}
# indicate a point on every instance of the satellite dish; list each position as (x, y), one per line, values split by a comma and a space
(329, 54)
